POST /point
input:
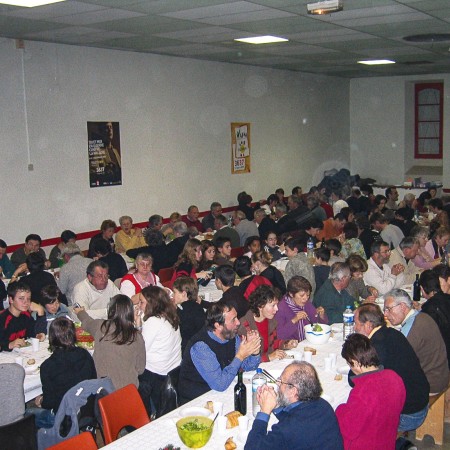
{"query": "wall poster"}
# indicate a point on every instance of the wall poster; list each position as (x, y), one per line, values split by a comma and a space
(240, 147)
(105, 165)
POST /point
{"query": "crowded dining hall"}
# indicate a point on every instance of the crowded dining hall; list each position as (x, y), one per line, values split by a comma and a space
(211, 243)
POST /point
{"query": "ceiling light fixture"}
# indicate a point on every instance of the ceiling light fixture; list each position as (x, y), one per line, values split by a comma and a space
(376, 62)
(325, 7)
(29, 3)
(262, 40)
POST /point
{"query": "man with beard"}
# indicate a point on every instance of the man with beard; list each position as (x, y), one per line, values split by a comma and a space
(215, 354)
(305, 421)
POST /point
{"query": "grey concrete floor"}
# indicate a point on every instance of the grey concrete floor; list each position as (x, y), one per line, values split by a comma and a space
(428, 442)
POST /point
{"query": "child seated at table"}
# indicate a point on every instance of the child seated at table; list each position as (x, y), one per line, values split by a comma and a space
(50, 300)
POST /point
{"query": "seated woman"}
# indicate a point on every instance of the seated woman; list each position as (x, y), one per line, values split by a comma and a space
(252, 245)
(249, 282)
(107, 230)
(208, 254)
(119, 346)
(260, 317)
(116, 263)
(423, 259)
(350, 242)
(439, 240)
(380, 204)
(161, 333)
(38, 277)
(133, 283)
(155, 247)
(357, 288)
(191, 314)
(51, 301)
(295, 310)
(270, 245)
(189, 261)
(128, 237)
(56, 259)
(67, 366)
(261, 266)
(370, 418)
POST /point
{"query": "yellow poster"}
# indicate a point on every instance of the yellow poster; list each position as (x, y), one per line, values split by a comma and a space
(240, 147)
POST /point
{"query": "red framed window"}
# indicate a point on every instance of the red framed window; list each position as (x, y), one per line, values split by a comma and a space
(429, 98)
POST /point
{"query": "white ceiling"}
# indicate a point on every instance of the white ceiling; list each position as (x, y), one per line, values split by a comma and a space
(205, 29)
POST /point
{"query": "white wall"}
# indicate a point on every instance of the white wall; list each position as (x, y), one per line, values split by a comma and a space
(174, 116)
(382, 127)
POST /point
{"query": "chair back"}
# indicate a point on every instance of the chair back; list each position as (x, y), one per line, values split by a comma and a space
(12, 397)
(236, 252)
(165, 274)
(122, 408)
(19, 435)
(83, 441)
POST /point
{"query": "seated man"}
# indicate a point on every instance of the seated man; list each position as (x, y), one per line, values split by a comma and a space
(437, 305)
(379, 275)
(305, 421)
(16, 322)
(117, 267)
(50, 300)
(244, 227)
(389, 233)
(32, 245)
(95, 292)
(73, 271)
(7, 268)
(224, 230)
(396, 353)
(404, 254)
(215, 354)
(310, 229)
(333, 296)
(128, 237)
(265, 224)
(424, 336)
(332, 227)
(223, 252)
(55, 257)
(392, 197)
(208, 220)
(224, 279)
(191, 219)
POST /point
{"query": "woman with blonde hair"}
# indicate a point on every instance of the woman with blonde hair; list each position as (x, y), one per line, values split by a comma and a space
(261, 266)
(189, 261)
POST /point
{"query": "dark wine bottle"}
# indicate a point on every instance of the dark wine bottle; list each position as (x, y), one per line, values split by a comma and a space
(240, 395)
(416, 289)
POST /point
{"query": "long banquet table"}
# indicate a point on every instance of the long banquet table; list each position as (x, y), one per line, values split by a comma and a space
(162, 431)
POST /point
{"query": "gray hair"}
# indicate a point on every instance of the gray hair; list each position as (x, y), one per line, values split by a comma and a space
(143, 257)
(123, 218)
(399, 296)
(295, 199)
(90, 270)
(281, 207)
(338, 271)
(408, 242)
(240, 214)
(304, 378)
(312, 202)
(221, 219)
(409, 197)
(419, 231)
(180, 228)
(154, 220)
(70, 249)
(260, 213)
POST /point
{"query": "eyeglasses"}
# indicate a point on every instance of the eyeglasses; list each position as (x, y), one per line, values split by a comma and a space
(279, 381)
(390, 308)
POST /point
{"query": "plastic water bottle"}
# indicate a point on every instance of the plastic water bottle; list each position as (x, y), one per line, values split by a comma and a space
(310, 249)
(258, 380)
(348, 319)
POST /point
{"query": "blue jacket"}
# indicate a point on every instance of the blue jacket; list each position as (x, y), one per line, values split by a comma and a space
(307, 426)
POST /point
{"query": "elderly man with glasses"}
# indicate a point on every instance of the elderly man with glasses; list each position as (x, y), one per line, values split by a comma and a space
(305, 421)
(379, 274)
(424, 336)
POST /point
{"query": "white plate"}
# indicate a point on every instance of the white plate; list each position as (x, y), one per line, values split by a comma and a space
(344, 370)
(31, 370)
(195, 411)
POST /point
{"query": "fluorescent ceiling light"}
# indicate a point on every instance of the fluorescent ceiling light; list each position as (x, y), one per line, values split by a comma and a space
(29, 3)
(325, 7)
(262, 40)
(376, 62)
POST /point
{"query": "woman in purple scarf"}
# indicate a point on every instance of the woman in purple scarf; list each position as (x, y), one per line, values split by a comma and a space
(295, 310)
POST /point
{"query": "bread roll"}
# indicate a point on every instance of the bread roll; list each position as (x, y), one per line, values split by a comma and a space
(233, 417)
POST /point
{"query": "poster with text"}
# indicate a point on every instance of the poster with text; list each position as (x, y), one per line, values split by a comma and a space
(105, 164)
(240, 148)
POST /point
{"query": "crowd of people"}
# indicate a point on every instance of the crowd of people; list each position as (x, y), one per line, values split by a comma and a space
(340, 251)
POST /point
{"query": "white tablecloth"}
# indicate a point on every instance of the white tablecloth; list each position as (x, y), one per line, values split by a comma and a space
(163, 431)
(32, 383)
(214, 294)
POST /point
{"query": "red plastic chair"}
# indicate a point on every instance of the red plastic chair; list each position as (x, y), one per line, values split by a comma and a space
(83, 441)
(122, 408)
(165, 274)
